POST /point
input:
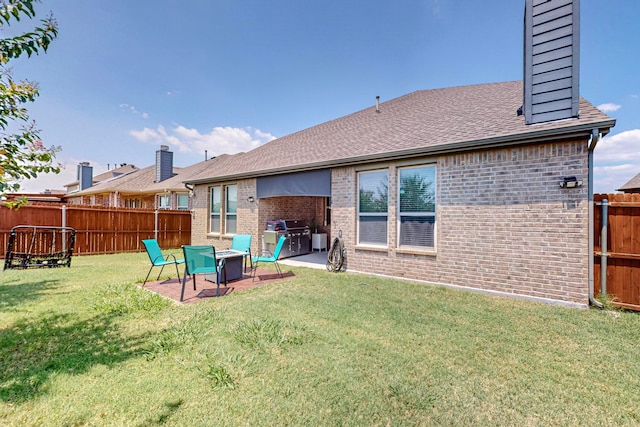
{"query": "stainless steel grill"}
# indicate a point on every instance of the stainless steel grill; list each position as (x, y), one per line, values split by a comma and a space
(297, 233)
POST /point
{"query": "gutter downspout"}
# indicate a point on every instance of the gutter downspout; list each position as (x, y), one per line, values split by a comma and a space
(593, 140)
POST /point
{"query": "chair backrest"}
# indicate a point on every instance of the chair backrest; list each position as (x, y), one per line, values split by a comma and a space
(241, 242)
(153, 250)
(276, 252)
(199, 258)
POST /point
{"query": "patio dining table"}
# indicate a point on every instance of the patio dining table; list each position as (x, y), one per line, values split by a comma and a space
(233, 265)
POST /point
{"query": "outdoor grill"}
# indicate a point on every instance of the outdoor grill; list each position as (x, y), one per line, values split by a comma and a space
(295, 230)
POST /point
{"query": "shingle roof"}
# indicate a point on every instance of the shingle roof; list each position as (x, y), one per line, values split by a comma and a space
(425, 122)
(633, 184)
(142, 181)
(110, 174)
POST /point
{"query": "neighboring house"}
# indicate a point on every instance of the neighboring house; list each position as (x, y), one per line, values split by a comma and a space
(461, 186)
(633, 186)
(155, 187)
(86, 179)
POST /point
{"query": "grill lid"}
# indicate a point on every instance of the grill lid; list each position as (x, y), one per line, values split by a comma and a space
(289, 224)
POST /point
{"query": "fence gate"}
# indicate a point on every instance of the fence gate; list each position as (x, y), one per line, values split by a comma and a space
(617, 248)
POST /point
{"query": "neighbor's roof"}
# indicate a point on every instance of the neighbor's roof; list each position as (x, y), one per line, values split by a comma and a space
(422, 123)
(142, 181)
(124, 169)
(633, 184)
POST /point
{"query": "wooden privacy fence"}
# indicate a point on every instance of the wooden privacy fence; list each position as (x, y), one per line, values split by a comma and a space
(102, 230)
(621, 253)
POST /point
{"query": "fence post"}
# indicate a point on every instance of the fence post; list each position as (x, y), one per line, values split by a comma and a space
(155, 227)
(603, 247)
(63, 210)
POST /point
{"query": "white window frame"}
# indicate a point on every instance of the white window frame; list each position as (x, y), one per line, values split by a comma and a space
(179, 206)
(167, 199)
(227, 204)
(400, 215)
(212, 212)
(360, 214)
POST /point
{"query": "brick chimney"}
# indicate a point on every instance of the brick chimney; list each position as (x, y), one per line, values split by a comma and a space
(551, 60)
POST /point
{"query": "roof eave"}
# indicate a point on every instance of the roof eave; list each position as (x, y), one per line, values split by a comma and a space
(540, 136)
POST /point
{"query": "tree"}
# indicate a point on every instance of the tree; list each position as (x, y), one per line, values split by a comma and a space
(22, 153)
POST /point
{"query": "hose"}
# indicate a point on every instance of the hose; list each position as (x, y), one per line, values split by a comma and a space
(335, 258)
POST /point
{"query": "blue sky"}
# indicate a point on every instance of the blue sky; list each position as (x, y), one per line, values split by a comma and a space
(126, 76)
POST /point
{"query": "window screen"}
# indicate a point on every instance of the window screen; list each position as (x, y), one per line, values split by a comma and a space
(417, 206)
(373, 207)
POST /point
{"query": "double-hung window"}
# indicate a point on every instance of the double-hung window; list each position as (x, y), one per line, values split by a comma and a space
(164, 201)
(417, 206)
(231, 209)
(183, 201)
(216, 209)
(373, 203)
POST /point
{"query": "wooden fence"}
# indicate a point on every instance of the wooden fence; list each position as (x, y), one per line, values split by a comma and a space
(622, 255)
(102, 230)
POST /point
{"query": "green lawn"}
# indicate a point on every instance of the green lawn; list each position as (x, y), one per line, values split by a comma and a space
(85, 346)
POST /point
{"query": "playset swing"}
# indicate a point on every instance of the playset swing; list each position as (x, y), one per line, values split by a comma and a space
(32, 246)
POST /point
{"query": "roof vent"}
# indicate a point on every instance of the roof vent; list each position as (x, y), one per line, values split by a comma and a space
(378, 104)
(551, 60)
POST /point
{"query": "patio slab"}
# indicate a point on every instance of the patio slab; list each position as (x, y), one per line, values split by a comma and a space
(171, 288)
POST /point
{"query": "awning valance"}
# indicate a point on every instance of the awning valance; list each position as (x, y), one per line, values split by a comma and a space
(312, 183)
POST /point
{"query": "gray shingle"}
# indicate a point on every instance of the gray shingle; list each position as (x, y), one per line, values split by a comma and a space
(420, 123)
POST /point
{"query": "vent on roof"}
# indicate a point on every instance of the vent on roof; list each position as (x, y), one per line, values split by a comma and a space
(85, 175)
(164, 163)
(551, 60)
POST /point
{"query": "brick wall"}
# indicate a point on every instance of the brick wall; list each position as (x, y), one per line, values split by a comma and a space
(503, 223)
(247, 216)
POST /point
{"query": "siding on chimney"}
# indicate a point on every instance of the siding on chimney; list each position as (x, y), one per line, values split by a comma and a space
(85, 176)
(164, 164)
(551, 60)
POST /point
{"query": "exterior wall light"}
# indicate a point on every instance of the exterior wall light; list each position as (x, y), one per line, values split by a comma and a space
(251, 199)
(570, 182)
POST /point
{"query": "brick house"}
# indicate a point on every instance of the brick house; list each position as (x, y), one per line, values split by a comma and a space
(485, 187)
(494, 215)
(159, 186)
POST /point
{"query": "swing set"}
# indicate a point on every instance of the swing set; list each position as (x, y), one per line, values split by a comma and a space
(33, 246)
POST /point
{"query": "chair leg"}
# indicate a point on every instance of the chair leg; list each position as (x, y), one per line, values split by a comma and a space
(177, 272)
(146, 278)
(184, 282)
(254, 270)
(278, 268)
(160, 273)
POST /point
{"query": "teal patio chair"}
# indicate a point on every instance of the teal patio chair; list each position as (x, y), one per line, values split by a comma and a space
(158, 260)
(242, 243)
(270, 257)
(201, 260)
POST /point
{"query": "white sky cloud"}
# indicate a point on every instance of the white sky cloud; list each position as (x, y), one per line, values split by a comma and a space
(616, 160)
(219, 140)
(608, 107)
(607, 179)
(134, 110)
(51, 181)
(621, 147)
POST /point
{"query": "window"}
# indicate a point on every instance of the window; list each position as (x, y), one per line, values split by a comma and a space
(231, 209)
(417, 206)
(372, 207)
(183, 202)
(164, 201)
(132, 203)
(216, 208)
